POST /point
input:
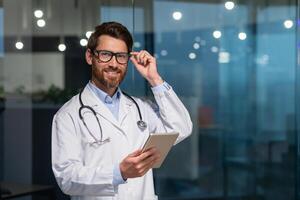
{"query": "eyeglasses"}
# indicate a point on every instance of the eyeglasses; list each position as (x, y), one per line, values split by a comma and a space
(106, 56)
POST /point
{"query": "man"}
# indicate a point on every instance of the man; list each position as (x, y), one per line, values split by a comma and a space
(97, 135)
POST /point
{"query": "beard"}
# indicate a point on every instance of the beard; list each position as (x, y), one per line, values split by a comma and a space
(109, 77)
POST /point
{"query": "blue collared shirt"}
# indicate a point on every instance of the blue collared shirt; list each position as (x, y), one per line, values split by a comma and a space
(112, 104)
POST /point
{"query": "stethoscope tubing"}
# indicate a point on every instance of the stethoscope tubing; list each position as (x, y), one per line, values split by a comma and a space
(141, 124)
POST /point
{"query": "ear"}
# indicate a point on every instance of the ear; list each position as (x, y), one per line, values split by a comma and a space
(88, 56)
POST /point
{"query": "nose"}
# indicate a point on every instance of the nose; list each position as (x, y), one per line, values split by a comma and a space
(113, 62)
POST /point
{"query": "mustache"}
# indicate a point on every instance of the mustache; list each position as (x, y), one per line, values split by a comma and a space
(112, 69)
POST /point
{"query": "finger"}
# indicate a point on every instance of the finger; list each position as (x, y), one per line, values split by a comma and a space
(140, 55)
(145, 170)
(135, 63)
(144, 155)
(146, 55)
(143, 58)
(135, 153)
(147, 166)
(149, 152)
(134, 60)
(149, 162)
(138, 59)
(134, 53)
(146, 60)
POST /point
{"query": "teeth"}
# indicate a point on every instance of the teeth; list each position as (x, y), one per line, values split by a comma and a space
(112, 73)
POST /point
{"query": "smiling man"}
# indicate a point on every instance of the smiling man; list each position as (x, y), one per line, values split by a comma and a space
(107, 75)
(97, 135)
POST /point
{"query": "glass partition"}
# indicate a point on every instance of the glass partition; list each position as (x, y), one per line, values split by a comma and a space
(232, 63)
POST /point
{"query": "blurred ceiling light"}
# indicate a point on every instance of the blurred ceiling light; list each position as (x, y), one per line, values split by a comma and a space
(196, 45)
(38, 13)
(192, 56)
(242, 36)
(197, 39)
(62, 47)
(288, 24)
(214, 49)
(229, 5)
(88, 34)
(41, 23)
(164, 52)
(137, 44)
(217, 34)
(224, 57)
(263, 60)
(19, 45)
(177, 15)
(83, 42)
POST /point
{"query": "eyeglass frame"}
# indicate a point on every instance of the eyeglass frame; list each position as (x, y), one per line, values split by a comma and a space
(113, 54)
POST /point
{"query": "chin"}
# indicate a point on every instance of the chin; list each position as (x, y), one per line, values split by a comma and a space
(112, 84)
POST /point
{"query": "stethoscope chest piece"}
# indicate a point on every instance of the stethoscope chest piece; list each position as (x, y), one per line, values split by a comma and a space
(141, 124)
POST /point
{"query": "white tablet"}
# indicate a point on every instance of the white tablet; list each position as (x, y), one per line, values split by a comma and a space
(163, 142)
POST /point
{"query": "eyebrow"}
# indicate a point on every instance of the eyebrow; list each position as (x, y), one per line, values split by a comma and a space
(111, 51)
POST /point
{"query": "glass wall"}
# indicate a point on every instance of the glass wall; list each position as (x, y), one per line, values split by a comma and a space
(232, 63)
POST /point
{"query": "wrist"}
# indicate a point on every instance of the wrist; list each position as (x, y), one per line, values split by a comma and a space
(122, 173)
(155, 81)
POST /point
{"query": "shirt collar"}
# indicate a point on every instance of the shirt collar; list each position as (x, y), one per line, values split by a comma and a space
(103, 96)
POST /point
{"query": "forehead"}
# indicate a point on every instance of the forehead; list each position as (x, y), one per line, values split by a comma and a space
(106, 42)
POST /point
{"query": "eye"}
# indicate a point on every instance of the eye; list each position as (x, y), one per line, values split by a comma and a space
(123, 55)
(105, 53)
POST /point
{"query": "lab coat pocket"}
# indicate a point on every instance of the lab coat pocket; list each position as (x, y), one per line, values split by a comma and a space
(97, 153)
(95, 144)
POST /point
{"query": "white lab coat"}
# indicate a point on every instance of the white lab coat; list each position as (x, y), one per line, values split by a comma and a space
(85, 171)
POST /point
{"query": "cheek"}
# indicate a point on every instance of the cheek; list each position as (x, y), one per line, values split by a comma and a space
(98, 66)
(124, 69)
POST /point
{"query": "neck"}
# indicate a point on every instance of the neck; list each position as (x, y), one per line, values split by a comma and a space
(109, 90)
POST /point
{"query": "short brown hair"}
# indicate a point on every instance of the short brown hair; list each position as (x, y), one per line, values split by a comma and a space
(113, 29)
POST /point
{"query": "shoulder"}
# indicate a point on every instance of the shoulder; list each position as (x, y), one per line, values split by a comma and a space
(69, 108)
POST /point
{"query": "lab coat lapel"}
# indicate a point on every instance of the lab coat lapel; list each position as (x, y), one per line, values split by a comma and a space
(125, 106)
(92, 100)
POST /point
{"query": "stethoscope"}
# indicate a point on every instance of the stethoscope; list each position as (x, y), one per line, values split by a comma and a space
(140, 123)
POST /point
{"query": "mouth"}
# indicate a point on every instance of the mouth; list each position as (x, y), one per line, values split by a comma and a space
(112, 73)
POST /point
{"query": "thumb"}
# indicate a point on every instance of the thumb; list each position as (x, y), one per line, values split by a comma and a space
(134, 61)
(137, 66)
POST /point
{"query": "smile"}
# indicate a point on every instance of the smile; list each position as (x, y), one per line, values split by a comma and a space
(112, 73)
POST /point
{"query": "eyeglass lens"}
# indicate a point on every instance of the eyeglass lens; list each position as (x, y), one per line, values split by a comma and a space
(106, 56)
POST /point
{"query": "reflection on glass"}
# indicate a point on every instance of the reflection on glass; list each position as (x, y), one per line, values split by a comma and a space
(239, 87)
(232, 63)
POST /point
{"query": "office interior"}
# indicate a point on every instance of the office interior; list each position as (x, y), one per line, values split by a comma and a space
(234, 64)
